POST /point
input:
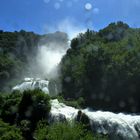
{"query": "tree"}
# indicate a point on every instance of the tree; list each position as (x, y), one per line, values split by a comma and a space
(9, 106)
(34, 106)
(74, 43)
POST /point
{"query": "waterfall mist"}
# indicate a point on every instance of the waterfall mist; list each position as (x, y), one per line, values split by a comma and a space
(48, 58)
(53, 46)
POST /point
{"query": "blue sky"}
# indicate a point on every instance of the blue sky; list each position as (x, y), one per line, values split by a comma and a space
(42, 16)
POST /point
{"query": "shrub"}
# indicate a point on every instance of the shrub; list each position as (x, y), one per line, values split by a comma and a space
(8, 132)
(9, 106)
(64, 131)
(34, 106)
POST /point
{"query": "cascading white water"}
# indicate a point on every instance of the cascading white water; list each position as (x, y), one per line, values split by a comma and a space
(37, 83)
(117, 126)
(32, 83)
(61, 111)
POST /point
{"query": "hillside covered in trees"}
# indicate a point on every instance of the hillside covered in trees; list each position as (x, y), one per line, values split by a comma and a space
(18, 51)
(104, 68)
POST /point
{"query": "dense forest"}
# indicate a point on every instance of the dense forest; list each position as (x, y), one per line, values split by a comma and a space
(16, 48)
(104, 68)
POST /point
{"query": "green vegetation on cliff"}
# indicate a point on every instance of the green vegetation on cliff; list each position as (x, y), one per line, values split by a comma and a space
(104, 68)
(16, 49)
(18, 53)
(24, 110)
(64, 131)
(8, 132)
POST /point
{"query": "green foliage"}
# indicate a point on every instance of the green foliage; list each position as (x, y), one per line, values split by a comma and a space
(79, 103)
(8, 132)
(114, 31)
(25, 125)
(64, 131)
(26, 129)
(9, 106)
(104, 68)
(24, 110)
(74, 43)
(16, 48)
(34, 106)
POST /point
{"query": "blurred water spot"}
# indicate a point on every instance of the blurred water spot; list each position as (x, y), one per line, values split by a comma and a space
(15, 25)
(133, 108)
(101, 96)
(122, 104)
(131, 100)
(107, 99)
(28, 113)
(69, 4)
(96, 10)
(57, 5)
(94, 96)
(89, 23)
(14, 109)
(67, 79)
(88, 6)
(46, 1)
(75, 0)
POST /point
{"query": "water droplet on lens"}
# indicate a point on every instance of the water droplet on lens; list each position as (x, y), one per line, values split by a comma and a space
(57, 5)
(75, 0)
(46, 1)
(89, 23)
(88, 6)
(69, 4)
(96, 10)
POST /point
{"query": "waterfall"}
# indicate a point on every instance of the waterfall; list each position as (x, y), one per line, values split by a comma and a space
(117, 126)
(33, 83)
